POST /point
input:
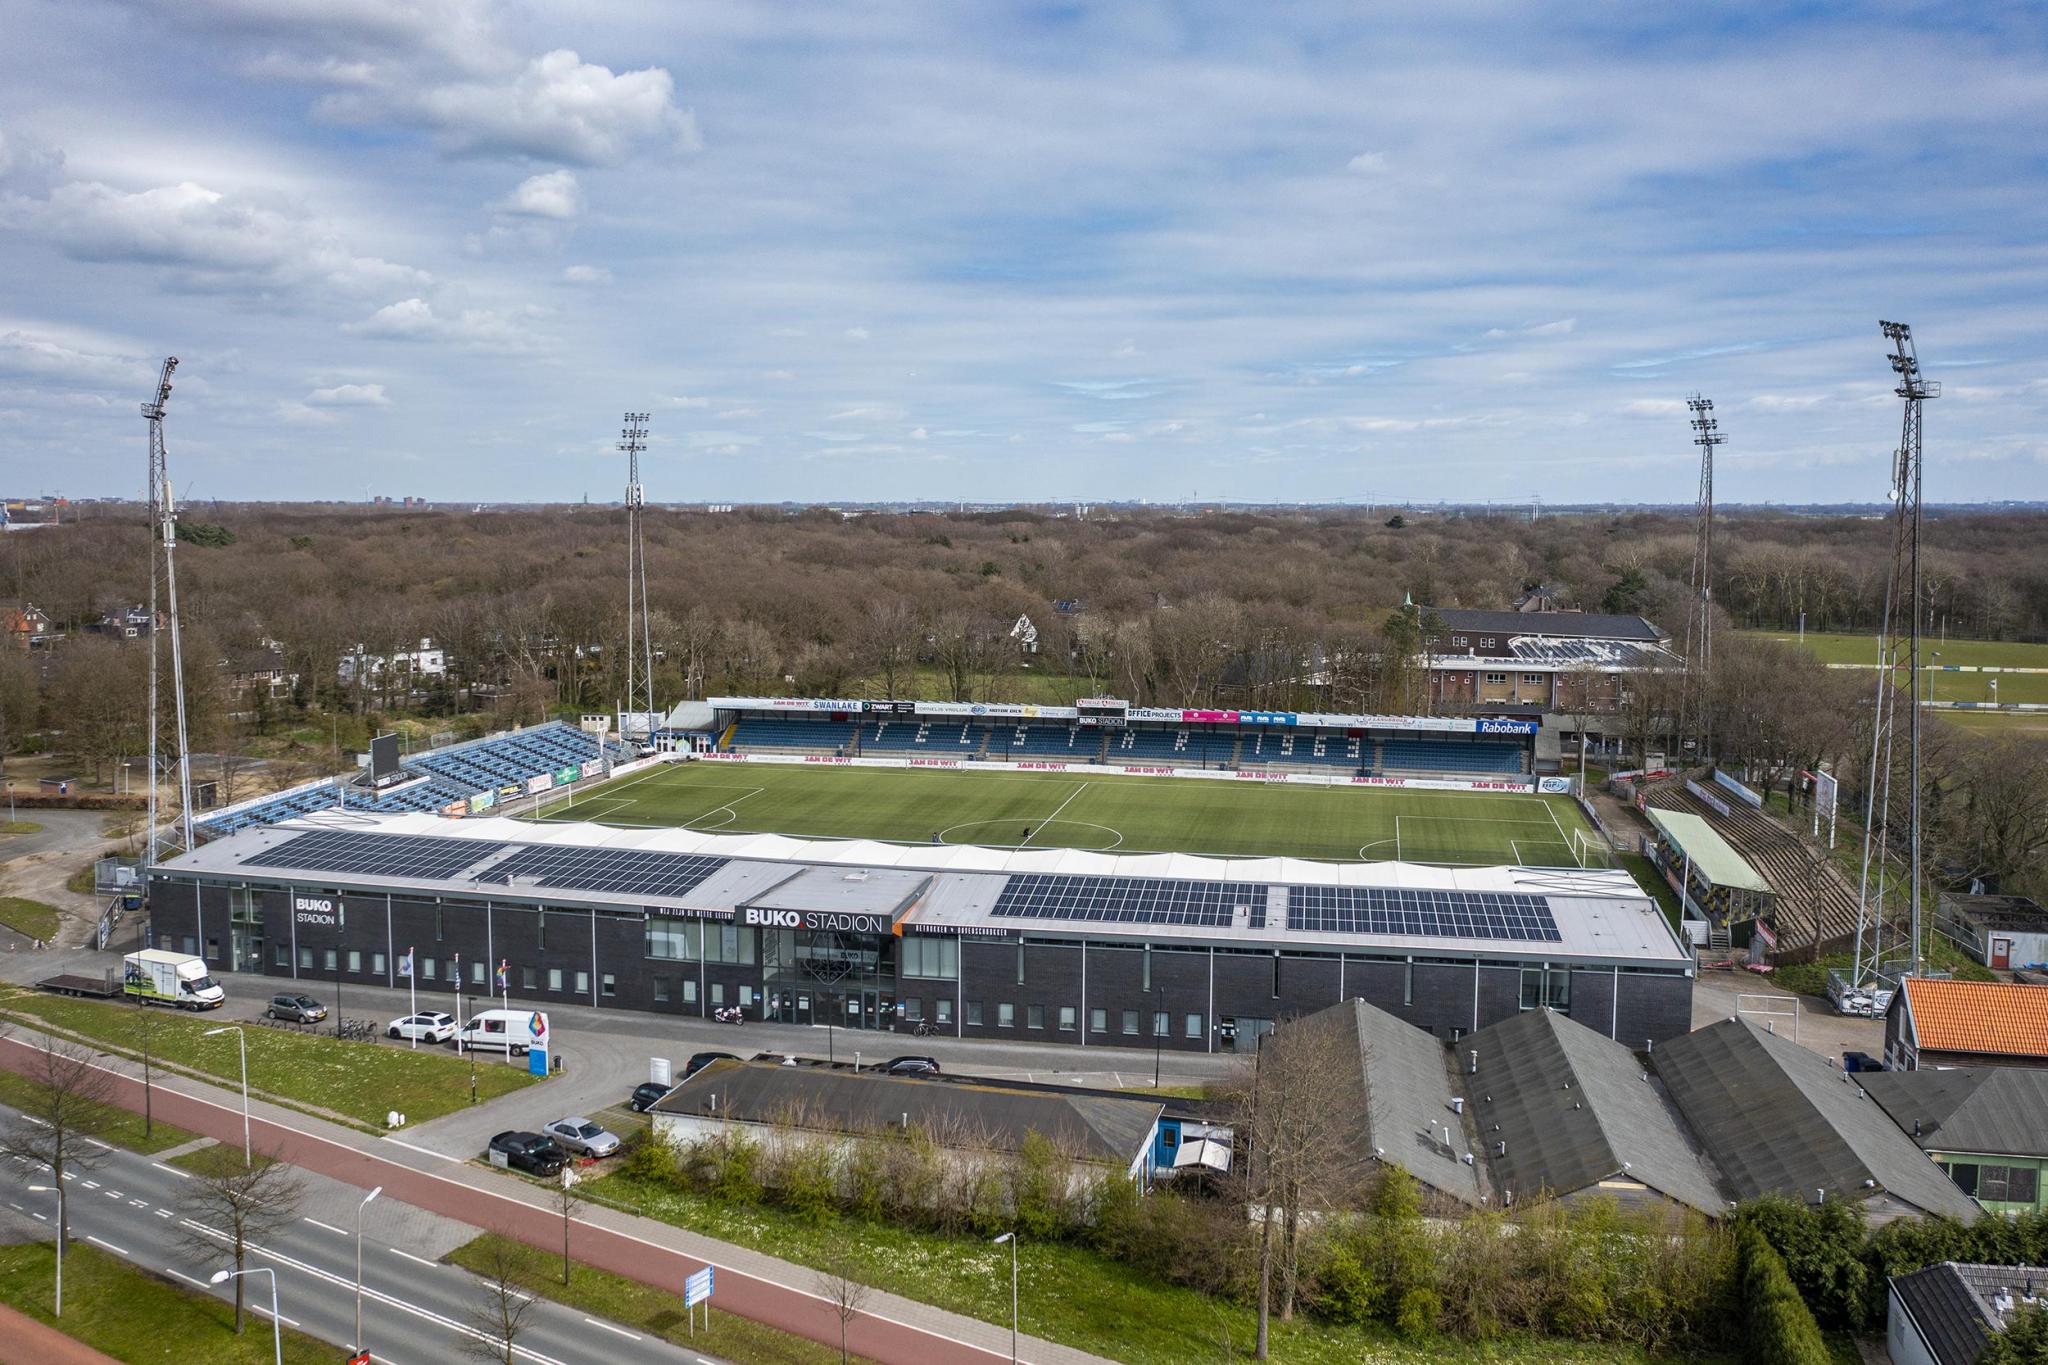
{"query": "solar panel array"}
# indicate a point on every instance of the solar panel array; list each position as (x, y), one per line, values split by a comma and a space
(616, 871)
(1440, 914)
(376, 855)
(1129, 900)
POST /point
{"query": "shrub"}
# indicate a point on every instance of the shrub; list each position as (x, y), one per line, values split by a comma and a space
(644, 1157)
(1822, 1246)
(1038, 1186)
(1779, 1329)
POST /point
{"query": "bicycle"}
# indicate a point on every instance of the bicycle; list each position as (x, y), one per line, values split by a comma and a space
(925, 1029)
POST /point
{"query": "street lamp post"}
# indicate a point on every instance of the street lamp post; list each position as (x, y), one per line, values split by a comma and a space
(59, 1189)
(276, 1324)
(242, 1047)
(1011, 1238)
(359, 1262)
(1158, 1008)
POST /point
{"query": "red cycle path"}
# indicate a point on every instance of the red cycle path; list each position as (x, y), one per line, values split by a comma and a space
(24, 1341)
(779, 1305)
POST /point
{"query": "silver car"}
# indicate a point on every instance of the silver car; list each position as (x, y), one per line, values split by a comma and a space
(581, 1135)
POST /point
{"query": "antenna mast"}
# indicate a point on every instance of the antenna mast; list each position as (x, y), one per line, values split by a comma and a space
(1696, 703)
(164, 542)
(633, 440)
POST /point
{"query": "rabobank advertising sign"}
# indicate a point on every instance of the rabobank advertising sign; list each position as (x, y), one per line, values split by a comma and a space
(1507, 727)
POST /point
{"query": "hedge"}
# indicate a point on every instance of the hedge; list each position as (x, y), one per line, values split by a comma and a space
(1779, 1328)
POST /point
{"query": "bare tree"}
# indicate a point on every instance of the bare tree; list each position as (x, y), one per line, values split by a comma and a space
(228, 1206)
(500, 1312)
(567, 1198)
(847, 1296)
(144, 1033)
(69, 1103)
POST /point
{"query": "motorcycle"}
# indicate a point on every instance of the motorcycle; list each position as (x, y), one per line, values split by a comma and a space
(729, 1014)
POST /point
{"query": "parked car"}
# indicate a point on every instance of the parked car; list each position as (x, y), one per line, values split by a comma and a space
(430, 1026)
(910, 1066)
(703, 1059)
(296, 1009)
(530, 1152)
(645, 1094)
(579, 1134)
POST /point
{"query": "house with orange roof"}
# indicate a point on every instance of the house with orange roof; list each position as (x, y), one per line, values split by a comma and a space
(1938, 1023)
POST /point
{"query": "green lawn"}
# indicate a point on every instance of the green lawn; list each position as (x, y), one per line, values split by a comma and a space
(1066, 1294)
(124, 1130)
(360, 1081)
(18, 827)
(134, 1316)
(33, 918)
(1103, 813)
(655, 1311)
(1948, 686)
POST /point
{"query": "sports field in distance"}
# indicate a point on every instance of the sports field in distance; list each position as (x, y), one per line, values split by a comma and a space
(1008, 809)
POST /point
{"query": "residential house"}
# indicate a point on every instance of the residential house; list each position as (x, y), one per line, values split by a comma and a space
(25, 626)
(1947, 1313)
(1987, 1126)
(1937, 1022)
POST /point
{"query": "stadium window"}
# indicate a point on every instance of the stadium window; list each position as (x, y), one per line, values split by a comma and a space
(583, 983)
(1148, 968)
(746, 997)
(945, 1009)
(355, 962)
(1161, 1024)
(1991, 1182)
(428, 968)
(1067, 1018)
(1533, 679)
(609, 985)
(718, 992)
(974, 1013)
(282, 955)
(1276, 976)
(376, 964)
(689, 991)
(671, 939)
(305, 959)
(1020, 962)
(1098, 1021)
(1006, 1014)
(1194, 1026)
(540, 930)
(1408, 982)
(438, 936)
(329, 963)
(1131, 1022)
(1496, 679)
(476, 973)
(931, 957)
(913, 1008)
(660, 990)
(1034, 1016)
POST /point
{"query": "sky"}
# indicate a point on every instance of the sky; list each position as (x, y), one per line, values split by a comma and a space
(996, 252)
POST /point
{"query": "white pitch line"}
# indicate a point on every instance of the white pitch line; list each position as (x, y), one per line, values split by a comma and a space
(1055, 812)
(630, 1336)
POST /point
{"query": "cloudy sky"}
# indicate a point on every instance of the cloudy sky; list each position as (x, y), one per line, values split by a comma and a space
(990, 251)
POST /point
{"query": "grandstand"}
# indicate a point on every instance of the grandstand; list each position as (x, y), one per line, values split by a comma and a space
(500, 765)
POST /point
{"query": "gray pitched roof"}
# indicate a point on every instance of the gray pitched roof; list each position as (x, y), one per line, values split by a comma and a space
(1992, 1110)
(1585, 625)
(1399, 1088)
(983, 1115)
(1574, 1109)
(1951, 1304)
(1778, 1119)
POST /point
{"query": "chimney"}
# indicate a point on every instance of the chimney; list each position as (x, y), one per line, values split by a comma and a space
(1472, 1067)
(1500, 1149)
(1457, 1104)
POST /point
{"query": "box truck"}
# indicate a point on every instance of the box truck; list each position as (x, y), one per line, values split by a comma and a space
(157, 977)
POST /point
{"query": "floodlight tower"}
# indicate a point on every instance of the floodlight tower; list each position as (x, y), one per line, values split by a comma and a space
(162, 565)
(633, 440)
(1899, 651)
(1696, 703)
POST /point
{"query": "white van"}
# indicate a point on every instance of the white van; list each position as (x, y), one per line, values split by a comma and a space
(514, 1031)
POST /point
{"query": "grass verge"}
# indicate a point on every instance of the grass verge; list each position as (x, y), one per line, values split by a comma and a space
(657, 1312)
(80, 883)
(1067, 1294)
(356, 1081)
(33, 918)
(126, 1130)
(134, 1316)
(19, 827)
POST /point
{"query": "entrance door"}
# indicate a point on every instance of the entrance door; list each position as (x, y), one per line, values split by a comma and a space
(2001, 953)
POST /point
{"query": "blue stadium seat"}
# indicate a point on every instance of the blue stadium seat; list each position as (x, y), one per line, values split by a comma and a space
(783, 733)
(1452, 756)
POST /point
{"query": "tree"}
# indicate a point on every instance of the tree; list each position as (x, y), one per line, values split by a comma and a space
(67, 1106)
(228, 1205)
(499, 1314)
(846, 1295)
(2023, 1342)
(1628, 593)
(567, 1198)
(144, 1032)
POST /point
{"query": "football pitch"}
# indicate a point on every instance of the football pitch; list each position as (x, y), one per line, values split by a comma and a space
(1107, 814)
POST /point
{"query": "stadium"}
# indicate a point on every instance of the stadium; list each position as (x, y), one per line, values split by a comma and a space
(1102, 875)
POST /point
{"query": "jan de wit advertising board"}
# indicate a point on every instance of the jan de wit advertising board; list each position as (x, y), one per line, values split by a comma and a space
(1130, 770)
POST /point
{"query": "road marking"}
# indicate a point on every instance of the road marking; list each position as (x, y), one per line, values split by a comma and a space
(138, 1203)
(40, 1218)
(113, 1194)
(108, 1245)
(327, 1227)
(630, 1336)
(163, 1213)
(92, 1184)
(101, 1145)
(423, 1151)
(419, 1259)
(259, 1308)
(173, 1270)
(173, 1170)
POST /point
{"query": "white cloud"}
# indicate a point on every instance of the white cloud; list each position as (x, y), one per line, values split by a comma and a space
(557, 108)
(1562, 327)
(587, 275)
(350, 396)
(680, 401)
(42, 356)
(1653, 407)
(1367, 163)
(554, 195)
(919, 434)
(415, 319)
(855, 334)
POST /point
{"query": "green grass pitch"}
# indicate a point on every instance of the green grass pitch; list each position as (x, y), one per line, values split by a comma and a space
(1104, 814)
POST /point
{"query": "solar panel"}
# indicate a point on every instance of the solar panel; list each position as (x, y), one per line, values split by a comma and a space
(1126, 900)
(619, 871)
(378, 855)
(1439, 914)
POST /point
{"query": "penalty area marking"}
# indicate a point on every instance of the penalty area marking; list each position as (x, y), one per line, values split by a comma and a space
(731, 815)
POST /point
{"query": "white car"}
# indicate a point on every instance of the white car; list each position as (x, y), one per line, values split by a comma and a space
(581, 1135)
(429, 1027)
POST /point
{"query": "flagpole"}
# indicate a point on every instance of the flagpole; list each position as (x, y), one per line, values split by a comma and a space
(412, 980)
(505, 985)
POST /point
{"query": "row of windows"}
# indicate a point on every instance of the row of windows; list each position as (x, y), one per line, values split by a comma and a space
(1067, 1016)
(690, 940)
(329, 961)
(921, 955)
(1997, 1184)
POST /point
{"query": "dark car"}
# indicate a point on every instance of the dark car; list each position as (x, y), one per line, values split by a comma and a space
(296, 1009)
(910, 1066)
(644, 1096)
(704, 1059)
(530, 1152)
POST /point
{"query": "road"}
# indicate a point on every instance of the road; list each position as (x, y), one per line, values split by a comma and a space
(415, 1309)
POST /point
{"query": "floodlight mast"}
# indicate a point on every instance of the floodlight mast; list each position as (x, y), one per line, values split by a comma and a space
(164, 540)
(1696, 703)
(633, 440)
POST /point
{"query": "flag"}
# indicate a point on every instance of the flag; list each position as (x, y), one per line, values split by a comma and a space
(405, 964)
(504, 975)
